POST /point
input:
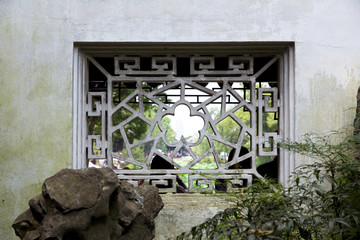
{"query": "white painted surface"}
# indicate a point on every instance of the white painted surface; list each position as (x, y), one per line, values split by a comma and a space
(36, 54)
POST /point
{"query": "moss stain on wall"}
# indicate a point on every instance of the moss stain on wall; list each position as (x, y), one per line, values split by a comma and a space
(35, 120)
(328, 95)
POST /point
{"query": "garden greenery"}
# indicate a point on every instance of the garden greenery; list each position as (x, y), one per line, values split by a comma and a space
(322, 200)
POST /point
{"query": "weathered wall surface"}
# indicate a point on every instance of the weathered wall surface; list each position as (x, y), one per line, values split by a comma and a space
(36, 50)
(170, 221)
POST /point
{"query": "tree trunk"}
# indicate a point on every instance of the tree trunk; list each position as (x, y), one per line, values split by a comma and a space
(357, 123)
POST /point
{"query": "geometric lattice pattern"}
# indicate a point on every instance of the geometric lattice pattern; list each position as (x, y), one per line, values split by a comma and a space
(139, 95)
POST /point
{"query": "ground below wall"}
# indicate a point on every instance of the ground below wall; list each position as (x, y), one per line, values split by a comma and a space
(183, 211)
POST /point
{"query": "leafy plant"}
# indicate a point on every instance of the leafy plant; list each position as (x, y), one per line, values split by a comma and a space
(321, 202)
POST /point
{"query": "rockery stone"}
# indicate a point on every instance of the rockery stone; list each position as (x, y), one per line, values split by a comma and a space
(90, 204)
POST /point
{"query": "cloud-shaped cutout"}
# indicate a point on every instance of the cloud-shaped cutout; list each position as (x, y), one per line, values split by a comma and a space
(185, 125)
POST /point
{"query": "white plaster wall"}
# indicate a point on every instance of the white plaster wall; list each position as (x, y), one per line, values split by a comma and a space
(36, 50)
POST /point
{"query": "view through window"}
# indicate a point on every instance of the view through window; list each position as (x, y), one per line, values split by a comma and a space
(185, 122)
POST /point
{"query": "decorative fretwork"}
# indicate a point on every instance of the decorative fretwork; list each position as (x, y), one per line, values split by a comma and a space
(237, 65)
(239, 111)
(97, 142)
(232, 183)
(267, 104)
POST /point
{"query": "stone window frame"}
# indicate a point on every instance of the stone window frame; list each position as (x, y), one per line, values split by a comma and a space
(285, 50)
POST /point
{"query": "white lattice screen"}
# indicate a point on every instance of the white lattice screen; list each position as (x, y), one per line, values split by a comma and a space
(235, 99)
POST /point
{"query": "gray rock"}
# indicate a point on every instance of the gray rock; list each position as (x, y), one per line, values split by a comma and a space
(90, 204)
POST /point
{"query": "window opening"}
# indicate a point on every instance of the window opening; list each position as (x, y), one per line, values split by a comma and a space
(213, 118)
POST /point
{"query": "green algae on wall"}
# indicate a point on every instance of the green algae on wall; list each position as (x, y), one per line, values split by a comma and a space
(35, 119)
(328, 96)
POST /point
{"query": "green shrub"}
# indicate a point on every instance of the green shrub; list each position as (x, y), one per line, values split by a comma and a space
(321, 202)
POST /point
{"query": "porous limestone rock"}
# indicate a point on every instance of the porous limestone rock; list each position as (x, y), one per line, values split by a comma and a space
(90, 204)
